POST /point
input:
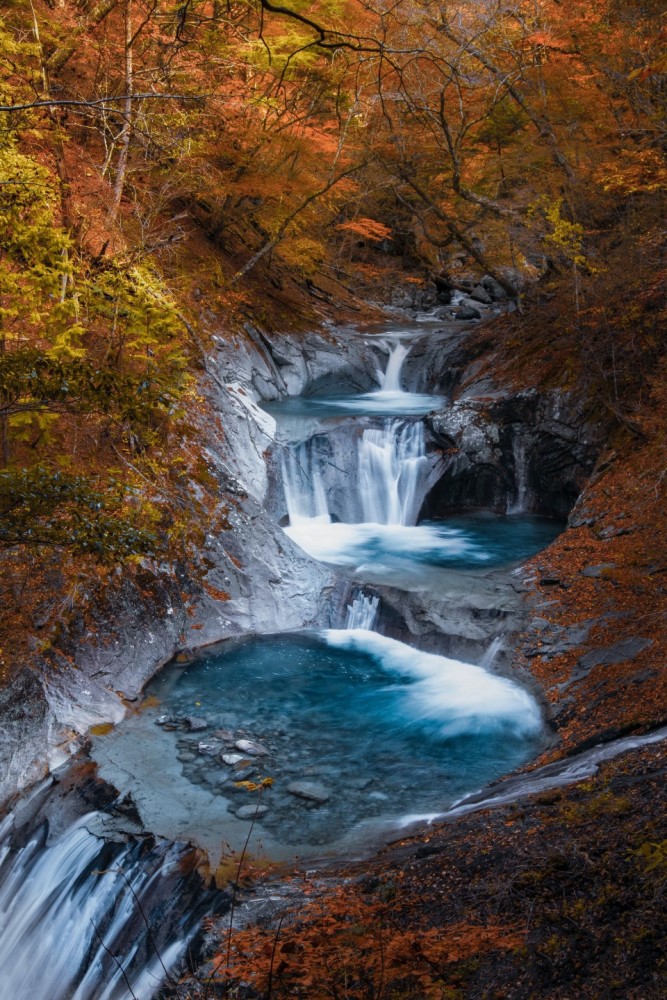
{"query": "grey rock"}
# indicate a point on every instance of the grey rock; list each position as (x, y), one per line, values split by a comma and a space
(626, 649)
(232, 758)
(209, 748)
(479, 294)
(251, 812)
(196, 724)
(252, 748)
(601, 569)
(493, 288)
(311, 790)
(466, 312)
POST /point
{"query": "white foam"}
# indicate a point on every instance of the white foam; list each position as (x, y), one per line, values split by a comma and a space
(354, 545)
(459, 697)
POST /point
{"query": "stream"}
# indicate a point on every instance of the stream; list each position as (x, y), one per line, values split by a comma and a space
(307, 745)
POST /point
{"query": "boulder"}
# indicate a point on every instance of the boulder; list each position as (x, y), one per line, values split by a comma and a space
(311, 790)
(493, 288)
(479, 294)
(467, 312)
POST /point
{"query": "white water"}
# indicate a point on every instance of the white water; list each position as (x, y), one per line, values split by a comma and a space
(361, 613)
(51, 900)
(457, 697)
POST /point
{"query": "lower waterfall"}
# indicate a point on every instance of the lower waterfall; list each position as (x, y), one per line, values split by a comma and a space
(84, 919)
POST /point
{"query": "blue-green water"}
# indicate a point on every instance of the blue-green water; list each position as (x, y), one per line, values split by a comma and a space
(411, 556)
(382, 729)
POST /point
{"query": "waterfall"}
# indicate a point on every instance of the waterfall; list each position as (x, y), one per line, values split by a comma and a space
(492, 652)
(361, 613)
(68, 907)
(391, 461)
(390, 464)
(304, 490)
(520, 475)
(390, 379)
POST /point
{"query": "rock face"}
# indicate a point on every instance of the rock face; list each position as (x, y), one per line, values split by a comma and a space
(527, 452)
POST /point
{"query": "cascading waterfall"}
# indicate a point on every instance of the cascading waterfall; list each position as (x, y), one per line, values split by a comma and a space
(391, 460)
(362, 612)
(390, 379)
(521, 476)
(68, 907)
(390, 464)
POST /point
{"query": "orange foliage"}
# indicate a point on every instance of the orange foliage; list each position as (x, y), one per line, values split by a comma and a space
(343, 943)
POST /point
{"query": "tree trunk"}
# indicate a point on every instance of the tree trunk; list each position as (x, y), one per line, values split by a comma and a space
(126, 133)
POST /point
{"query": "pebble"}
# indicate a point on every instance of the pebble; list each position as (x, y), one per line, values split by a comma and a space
(249, 746)
(211, 748)
(231, 758)
(250, 812)
(195, 724)
(311, 790)
(224, 734)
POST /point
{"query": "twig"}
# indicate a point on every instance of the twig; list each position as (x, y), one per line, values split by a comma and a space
(235, 886)
(116, 960)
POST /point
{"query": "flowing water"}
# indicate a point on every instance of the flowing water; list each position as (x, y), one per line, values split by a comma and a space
(72, 909)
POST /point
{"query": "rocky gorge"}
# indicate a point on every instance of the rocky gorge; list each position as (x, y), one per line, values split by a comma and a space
(484, 447)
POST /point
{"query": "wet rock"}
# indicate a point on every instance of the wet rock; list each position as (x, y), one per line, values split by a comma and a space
(252, 748)
(196, 724)
(231, 758)
(164, 720)
(311, 790)
(626, 649)
(359, 783)
(223, 734)
(620, 651)
(251, 812)
(209, 748)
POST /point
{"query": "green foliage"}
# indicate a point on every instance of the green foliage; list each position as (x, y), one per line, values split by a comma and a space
(40, 507)
(31, 381)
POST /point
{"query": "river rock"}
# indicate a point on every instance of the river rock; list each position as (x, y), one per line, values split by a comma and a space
(466, 312)
(209, 748)
(493, 288)
(231, 758)
(249, 746)
(311, 790)
(251, 812)
(479, 294)
(196, 724)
